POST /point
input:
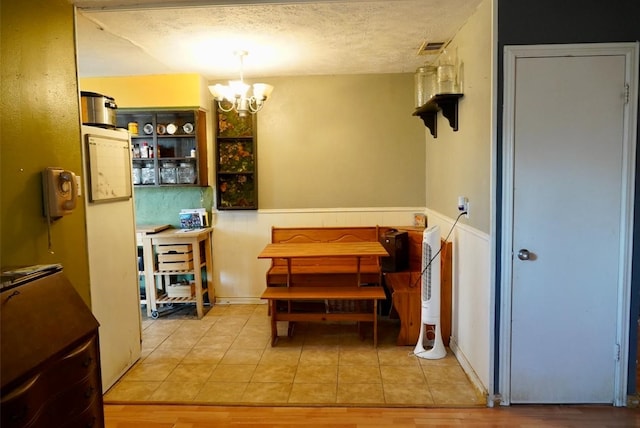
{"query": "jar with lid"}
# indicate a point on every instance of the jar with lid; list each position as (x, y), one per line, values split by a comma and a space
(148, 174)
(186, 173)
(133, 128)
(168, 173)
(137, 174)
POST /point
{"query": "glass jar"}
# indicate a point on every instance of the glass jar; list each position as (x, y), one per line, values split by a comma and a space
(148, 174)
(186, 173)
(137, 174)
(168, 173)
(447, 79)
(425, 84)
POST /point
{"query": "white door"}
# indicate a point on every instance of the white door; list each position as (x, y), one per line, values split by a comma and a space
(568, 197)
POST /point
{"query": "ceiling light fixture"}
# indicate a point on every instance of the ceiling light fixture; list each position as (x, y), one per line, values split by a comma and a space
(236, 93)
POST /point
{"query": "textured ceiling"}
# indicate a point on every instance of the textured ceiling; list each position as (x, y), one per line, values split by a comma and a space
(129, 37)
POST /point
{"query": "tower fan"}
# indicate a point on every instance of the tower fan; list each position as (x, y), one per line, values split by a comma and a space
(430, 292)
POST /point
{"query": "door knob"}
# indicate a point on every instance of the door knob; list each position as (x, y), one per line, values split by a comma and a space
(524, 254)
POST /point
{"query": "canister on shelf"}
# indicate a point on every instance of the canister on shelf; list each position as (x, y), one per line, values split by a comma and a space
(425, 84)
(186, 173)
(446, 74)
(137, 174)
(148, 174)
(168, 173)
(133, 128)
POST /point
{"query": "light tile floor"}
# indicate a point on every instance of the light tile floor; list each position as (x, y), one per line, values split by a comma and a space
(227, 358)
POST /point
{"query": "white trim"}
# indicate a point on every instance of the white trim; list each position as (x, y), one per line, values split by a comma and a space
(340, 210)
(466, 366)
(471, 287)
(504, 372)
(239, 301)
(626, 221)
(511, 53)
(492, 208)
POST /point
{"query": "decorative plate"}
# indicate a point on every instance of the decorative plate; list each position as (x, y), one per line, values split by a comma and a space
(187, 128)
(148, 129)
(171, 128)
(161, 129)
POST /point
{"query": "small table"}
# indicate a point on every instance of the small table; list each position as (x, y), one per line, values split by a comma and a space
(147, 253)
(290, 251)
(178, 237)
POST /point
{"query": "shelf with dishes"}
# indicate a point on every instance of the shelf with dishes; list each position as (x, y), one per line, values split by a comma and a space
(168, 146)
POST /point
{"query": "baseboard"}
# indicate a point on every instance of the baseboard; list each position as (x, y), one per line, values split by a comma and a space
(240, 301)
(466, 366)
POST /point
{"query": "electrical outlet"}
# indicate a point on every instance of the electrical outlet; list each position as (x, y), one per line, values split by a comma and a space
(463, 205)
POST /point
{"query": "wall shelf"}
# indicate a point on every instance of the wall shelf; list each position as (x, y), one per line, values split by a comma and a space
(177, 158)
(428, 112)
(236, 161)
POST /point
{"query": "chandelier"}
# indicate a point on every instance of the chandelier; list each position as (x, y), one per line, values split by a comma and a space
(237, 96)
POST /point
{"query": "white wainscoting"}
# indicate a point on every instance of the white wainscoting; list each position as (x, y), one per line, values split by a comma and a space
(239, 236)
(471, 297)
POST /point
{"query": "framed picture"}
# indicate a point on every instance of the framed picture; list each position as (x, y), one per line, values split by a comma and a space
(419, 220)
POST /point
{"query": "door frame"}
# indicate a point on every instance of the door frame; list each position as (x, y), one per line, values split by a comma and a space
(511, 54)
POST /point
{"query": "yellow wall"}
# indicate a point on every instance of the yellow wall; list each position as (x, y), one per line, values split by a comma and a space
(158, 91)
(151, 91)
(40, 127)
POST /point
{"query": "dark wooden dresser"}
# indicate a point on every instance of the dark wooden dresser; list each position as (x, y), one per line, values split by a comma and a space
(50, 358)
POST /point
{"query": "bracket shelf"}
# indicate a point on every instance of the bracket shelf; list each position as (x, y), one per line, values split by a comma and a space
(448, 103)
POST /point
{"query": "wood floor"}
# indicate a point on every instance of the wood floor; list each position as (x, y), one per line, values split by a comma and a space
(161, 416)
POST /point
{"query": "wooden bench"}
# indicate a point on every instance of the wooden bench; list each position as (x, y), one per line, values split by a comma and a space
(324, 270)
(328, 288)
(322, 293)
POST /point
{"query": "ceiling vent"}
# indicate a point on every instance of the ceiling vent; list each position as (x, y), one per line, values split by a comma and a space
(430, 48)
